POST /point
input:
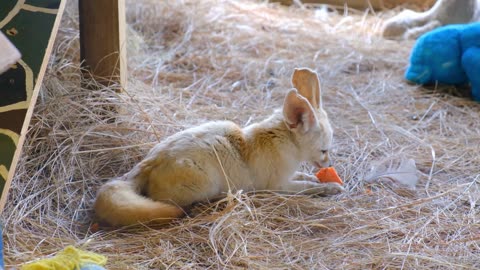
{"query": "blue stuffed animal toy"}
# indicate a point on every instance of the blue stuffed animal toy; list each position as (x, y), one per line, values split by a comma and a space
(448, 55)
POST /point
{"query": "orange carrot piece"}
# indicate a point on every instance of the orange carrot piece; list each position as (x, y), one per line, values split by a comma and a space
(328, 175)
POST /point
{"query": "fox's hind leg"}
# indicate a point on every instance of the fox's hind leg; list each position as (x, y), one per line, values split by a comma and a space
(181, 182)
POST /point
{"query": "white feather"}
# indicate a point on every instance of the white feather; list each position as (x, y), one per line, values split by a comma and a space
(403, 171)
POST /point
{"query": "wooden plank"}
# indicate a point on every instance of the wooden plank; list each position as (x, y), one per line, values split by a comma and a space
(102, 40)
(32, 28)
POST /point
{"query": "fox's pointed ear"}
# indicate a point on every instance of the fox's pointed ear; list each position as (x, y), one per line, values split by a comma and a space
(298, 113)
(308, 85)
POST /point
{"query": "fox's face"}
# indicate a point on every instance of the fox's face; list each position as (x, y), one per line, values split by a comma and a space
(304, 115)
(320, 142)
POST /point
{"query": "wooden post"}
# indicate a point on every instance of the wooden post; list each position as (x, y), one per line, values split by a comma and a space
(102, 40)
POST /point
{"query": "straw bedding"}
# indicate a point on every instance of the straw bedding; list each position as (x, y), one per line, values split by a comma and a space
(194, 61)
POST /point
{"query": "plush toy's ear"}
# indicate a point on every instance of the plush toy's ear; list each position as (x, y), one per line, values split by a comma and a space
(298, 113)
(308, 85)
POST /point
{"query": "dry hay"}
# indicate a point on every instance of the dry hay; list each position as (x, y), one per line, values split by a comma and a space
(192, 61)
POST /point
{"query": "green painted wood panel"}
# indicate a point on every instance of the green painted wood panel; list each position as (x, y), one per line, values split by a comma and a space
(29, 25)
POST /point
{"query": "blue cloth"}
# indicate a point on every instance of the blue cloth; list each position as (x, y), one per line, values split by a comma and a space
(91, 266)
(449, 55)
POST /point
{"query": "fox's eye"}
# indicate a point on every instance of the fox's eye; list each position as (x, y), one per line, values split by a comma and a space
(324, 151)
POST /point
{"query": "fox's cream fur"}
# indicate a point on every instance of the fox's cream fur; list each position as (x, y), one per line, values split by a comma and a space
(205, 162)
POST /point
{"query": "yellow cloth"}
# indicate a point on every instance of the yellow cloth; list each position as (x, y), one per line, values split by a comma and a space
(70, 258)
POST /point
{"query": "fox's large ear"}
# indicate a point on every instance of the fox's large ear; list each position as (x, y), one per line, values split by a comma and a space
(298, 113)
(308, 85)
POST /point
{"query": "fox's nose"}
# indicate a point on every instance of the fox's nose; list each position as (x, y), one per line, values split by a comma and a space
(326, 161)
(323, 164)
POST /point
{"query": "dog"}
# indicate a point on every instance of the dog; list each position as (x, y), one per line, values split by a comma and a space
(205, 162)
(409, 24)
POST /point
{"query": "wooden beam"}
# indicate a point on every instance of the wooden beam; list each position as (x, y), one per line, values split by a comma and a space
(102, 40)
(364, 4)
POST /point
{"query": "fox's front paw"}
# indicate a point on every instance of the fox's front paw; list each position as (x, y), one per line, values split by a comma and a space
(323, 189)
(310, 187)
(327, 189)
(301, 176)
(331, 188)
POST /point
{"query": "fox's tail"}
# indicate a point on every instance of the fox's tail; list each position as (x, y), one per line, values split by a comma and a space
(119, 204)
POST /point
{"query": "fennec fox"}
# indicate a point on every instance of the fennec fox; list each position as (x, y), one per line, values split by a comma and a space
(205, 162)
